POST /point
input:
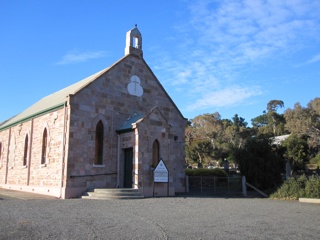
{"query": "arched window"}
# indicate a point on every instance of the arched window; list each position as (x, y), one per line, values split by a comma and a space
(98, 155)
(155, 153)
(25, 155)
(44, 146)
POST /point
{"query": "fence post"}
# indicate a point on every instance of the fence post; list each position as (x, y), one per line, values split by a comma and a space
(187, 183)
(244, 186)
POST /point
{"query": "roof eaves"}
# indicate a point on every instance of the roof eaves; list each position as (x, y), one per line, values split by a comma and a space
(96, 76)
(37, 114)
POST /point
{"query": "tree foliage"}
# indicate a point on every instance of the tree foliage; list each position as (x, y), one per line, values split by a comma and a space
(260, 121)
(296, 151)
(270, 122)
(209, 138)
(259, 163)
(305, 122)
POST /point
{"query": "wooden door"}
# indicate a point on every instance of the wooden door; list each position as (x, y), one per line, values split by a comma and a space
(128, 166)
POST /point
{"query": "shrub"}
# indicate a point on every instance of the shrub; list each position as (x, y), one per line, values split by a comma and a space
(206, 172)
(316, 160)
(301, 187)
(313, 187)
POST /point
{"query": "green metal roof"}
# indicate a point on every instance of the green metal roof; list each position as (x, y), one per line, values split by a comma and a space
(51, 102)
(127, 126)
(135, 118)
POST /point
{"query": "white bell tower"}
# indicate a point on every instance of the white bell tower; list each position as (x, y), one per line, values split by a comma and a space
(134, 42)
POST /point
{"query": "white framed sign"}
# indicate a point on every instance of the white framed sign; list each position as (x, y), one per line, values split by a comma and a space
(161, 173)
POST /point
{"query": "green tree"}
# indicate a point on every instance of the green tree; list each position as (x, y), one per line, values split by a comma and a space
(259, 163)
(273, 105)
(208, 137)
(305, 122)
(270, 122)
(260, 121)
(316, 160)
(239, 122)
(200, 137)
(296, 151)
(199, 151)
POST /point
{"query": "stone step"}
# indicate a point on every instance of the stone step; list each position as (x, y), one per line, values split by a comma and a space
(113, 193)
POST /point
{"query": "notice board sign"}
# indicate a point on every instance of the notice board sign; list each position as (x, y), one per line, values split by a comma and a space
(161, 173)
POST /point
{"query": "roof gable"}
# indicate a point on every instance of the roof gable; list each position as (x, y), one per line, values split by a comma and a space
(58, 99)
(155, 77)
(148, 115)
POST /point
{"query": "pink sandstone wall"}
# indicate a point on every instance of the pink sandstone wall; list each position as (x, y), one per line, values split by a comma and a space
(108, 100)
(34, 177)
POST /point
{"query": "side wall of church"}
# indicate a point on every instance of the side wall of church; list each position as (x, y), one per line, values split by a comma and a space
(4, 145)
(21, 153)
(82, 173)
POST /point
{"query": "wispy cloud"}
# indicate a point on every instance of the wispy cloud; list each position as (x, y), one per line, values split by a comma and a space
(314, 59)
(76, 57)
(231, 96)
(222, 39)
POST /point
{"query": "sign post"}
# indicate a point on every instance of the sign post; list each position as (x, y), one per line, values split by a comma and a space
(161, 174)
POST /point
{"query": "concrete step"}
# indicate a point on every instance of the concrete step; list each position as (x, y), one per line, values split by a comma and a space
(113, 193)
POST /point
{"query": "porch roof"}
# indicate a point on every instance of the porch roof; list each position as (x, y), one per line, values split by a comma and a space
(127, 125)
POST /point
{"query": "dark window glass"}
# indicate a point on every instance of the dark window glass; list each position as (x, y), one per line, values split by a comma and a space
(155, 153)
(99, 144)
(25, 155)
(44, 146)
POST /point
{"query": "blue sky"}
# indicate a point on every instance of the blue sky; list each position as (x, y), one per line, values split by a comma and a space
(230, 56)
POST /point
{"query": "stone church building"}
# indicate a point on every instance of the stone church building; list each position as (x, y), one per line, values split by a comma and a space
(108, 130)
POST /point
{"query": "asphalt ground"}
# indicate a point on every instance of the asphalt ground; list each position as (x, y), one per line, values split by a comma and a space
(33, 216)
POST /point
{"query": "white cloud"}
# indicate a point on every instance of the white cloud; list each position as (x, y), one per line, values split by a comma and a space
(76, 57)
(230, 96)
(223, 39)
(314, 59)
(265, 27)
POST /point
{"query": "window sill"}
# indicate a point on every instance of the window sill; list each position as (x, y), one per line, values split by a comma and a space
(43, 165)
(98, 166)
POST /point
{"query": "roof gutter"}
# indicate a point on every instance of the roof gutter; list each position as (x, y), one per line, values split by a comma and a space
(55, 107)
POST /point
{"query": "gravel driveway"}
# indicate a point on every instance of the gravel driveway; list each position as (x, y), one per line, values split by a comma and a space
(158, 218)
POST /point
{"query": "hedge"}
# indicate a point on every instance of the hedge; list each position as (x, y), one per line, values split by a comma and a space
(206, 172)
(301, 187)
